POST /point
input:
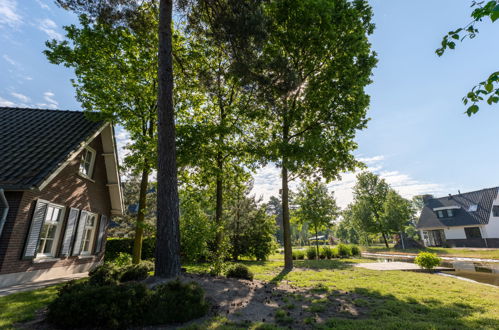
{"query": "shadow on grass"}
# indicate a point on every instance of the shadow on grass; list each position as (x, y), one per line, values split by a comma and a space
(362, 308)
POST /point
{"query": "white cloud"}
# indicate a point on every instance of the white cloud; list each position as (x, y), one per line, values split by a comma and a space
(9, 60)
(42, 4)
(268, 182)
(20, 97)
(8, 14)
(6, 103)
(49, 98)
(48, 26)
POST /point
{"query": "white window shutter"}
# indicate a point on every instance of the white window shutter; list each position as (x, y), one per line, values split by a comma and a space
(102, 233)
(79, 233)
(69, 234)
(34, 230)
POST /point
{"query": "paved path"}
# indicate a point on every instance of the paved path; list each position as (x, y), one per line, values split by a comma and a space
(412, 256)
(28, 286)
(396, 265)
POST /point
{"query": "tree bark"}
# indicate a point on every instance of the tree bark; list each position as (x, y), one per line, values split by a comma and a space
(384, 238)
(168, 233)
(288, 253)
(317, 243)
(139, 226)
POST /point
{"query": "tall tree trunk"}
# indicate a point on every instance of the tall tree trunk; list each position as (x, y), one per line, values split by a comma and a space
(139, 226)
(288, 253)
(168, 232)
(317, 242)
(384, 238)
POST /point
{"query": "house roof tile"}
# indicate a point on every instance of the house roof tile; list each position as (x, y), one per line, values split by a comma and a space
(463, 216)
(35, 142)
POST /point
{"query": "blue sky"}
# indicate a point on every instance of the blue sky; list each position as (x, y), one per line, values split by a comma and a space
(418, 138)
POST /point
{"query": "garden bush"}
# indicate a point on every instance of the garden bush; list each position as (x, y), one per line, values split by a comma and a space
(427, 260)
(355, 250)
(344, 250)
(335, 252)
(327, 251)
(176, 302)
(137, 272)
(106, 274)
(298, 255)
(240, 271)
(311, 253)
(81, 305)
(123, 259)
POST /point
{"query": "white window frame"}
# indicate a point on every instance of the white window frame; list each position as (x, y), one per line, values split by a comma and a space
(92, 162)
(55, 242)
(92, 234)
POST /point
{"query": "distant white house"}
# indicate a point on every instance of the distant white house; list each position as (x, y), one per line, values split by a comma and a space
(464, 220)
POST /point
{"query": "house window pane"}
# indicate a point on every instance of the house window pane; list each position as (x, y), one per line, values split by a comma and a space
(495, 210)
(473, 232)
(49, 232)
(88, 234)
(87, 159)
(440, 214)
(450, 213)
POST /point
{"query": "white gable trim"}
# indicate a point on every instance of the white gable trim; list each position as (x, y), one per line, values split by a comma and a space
(111, 163)
(446, 208)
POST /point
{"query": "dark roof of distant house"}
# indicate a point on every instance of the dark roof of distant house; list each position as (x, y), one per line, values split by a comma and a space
(462, 216)
(35, 142)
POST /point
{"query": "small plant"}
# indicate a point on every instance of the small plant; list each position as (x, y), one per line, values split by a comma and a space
(240, 271)
(336, 253)
(298, 255)
(355, 250)
(327, 251)
(282, 316)
(106, 274)
(311, 253)
(123, 259)
(344, 250)
(427, 260)
(176, 302)
(137, 272)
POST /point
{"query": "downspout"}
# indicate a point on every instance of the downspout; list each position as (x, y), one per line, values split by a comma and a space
(4, 205)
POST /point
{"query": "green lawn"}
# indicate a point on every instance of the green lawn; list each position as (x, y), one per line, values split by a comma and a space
(392, 299)
(446, 252)
(19, 307)
(389, 299)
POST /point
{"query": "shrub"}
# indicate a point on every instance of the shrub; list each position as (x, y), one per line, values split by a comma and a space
(327, 251)
(137, 272)
(427, 260)
(311, 253)
(111, 306)
(176, 302)
(123, 259)
(240, 271)
(298, 255)
(344, 250)
(335, 252)
(355, 250)
(106, 274)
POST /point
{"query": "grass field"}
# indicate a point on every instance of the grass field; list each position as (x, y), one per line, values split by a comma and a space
(387, 300)
(445, 252)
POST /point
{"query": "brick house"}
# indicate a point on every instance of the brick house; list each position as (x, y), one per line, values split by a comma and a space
(59, 186)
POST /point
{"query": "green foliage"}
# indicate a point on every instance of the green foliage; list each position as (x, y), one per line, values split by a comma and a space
(328, 252)
(298, 255)
(355, 250)
(115, 246)
(175, 302)
(427, 260)
(311, 253)
(106, 274)
(344, 250)
(111, 306)
(240, 271)
(488, 88)
(138, 272)
(122, 259)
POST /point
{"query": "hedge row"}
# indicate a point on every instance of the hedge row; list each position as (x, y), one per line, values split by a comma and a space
(115, 246)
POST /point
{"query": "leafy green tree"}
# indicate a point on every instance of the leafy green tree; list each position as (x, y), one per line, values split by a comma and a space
(397, 213)
(370, 193)
(488, 88)
(316, 207)
(115, 70)
(310, 72)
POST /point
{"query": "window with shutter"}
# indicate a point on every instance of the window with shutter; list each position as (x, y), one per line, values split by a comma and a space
(69, 233)
(79, 233)
(35, 229)
(102, 233)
